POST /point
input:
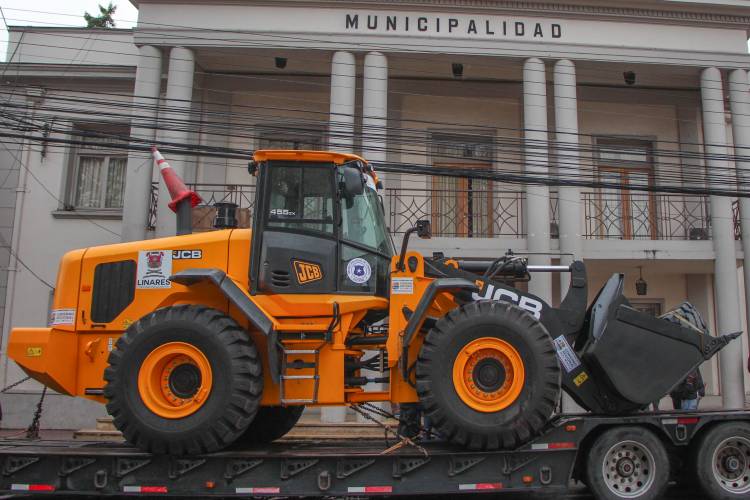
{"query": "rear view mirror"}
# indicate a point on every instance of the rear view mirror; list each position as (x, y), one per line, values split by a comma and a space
(352, 183)
(424, 229)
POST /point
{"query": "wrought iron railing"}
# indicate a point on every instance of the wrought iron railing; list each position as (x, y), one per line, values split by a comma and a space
(242, 195)
(458, 212)
(736, 220)
(630, 215)
(554, 215)
(499, 213)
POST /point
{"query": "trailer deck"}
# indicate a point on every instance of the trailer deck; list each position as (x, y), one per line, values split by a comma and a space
(321, 468)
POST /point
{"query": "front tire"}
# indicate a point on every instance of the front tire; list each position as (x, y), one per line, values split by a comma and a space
(183, 380)
(270, 424)
(722, 461)
(488, 376)
(627, 463)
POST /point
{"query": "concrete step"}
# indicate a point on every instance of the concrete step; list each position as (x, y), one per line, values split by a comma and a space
(105, 424)
(97, 435)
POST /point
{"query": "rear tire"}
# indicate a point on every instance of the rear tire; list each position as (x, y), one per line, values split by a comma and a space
(488, 376)
(270, 424)
(183, 380)
(722, 461)
(627, 463)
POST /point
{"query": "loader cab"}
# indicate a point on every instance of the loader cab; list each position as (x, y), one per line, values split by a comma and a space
(318, 226)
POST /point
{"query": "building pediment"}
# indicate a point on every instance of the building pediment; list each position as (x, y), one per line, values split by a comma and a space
(714, 12)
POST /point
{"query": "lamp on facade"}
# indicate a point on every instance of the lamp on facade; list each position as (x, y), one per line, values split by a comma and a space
(280, 62)
(458, 70)
(641, 287)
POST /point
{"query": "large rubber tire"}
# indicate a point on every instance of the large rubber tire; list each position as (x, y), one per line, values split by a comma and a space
(627, 463)
(722, 461)
(270, 423)
(454, 416)
(230, 403)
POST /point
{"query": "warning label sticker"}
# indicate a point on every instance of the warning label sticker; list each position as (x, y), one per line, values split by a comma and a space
(62, 317)
(567, 357)
(402, 286)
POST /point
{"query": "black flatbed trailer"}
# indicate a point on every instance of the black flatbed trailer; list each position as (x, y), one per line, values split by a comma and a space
(361, 468)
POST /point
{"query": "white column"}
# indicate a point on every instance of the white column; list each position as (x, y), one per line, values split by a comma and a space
(136, 199)
(725, 266)
(343, 86)
(341, 139)
(374, 143)
(375, 107)
(536, 156)
(178, 105)
(739, 96)
(375, 113)
(569, 206)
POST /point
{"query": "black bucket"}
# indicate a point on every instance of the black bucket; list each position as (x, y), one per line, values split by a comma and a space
(640, 358)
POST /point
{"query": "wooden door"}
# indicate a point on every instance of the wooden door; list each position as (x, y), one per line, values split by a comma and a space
(462, 207)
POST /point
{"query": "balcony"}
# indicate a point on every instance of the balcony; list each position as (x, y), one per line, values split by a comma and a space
(458, 213)
(645, 216)
(500, 213)
(242, 195)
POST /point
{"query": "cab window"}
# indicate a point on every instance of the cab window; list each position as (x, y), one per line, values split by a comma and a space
(365, 244)
(301, 198)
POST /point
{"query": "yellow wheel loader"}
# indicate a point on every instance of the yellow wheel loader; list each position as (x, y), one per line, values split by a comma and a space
(198, 341)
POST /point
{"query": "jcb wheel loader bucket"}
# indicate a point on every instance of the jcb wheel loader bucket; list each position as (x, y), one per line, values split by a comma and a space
(637, 357)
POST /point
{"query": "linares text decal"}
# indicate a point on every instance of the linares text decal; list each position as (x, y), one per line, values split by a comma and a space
(457, 26)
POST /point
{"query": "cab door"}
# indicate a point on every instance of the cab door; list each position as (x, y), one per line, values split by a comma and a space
(294, 247)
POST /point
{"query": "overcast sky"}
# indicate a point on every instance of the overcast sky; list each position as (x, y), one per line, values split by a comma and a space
(59, 13)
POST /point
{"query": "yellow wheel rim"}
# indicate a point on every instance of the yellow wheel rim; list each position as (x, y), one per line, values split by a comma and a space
(488, 374)
(175, 380)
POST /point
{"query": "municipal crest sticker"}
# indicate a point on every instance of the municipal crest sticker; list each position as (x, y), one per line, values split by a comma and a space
(359, 271)
(154, 269)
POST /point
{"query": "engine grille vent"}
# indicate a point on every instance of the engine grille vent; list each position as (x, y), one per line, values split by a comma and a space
(280, 278)
(114, 290)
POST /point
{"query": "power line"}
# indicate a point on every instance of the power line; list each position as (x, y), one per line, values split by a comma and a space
(561, 149)
(523, 178)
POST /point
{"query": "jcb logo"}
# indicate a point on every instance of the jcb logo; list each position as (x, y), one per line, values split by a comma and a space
(496, 294)
(307, 272)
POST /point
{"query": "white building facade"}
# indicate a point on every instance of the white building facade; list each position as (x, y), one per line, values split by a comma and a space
(638, 93)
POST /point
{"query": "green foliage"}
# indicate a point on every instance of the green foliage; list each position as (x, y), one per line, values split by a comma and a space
(104, 19)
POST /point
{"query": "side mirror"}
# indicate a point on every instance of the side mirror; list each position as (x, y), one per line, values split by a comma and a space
(352, 183)
(424, 229)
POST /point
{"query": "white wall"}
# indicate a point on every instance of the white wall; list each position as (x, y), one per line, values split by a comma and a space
(72, 46)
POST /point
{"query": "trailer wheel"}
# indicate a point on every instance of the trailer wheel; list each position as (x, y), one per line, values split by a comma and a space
(627, 462)
(722, 461)
(183, 380)
(488, 376)
(271, 423)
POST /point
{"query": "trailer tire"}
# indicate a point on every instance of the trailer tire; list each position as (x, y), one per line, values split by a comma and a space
(270, 423)
(627, 462)
(722, 461)
(183, 380)
(488, 376)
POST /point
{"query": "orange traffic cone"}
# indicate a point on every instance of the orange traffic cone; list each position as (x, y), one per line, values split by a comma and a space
(177, 189)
